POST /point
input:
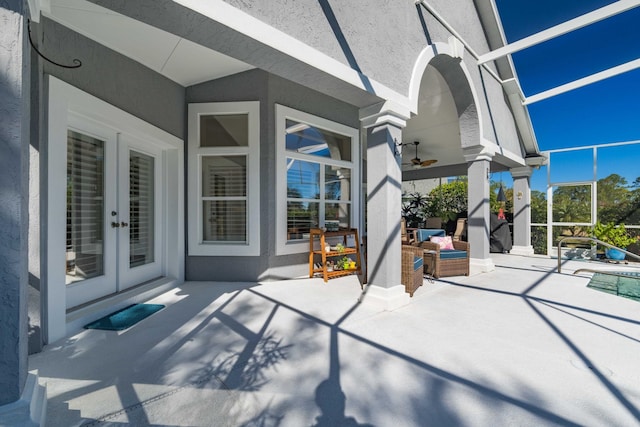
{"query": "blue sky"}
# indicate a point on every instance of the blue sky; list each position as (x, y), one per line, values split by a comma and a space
(601, 113)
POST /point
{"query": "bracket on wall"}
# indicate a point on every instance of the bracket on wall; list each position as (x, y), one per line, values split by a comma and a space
(77, 63)
(397, 144)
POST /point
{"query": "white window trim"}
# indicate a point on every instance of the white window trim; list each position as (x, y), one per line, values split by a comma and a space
(284, 246)
(196, 245)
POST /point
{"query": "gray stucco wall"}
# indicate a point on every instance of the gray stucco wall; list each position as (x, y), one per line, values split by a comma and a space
(257, 85)
(383, 40)
(14, 180)
(114, 78)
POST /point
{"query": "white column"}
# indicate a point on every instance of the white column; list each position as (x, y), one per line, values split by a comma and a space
(521, 211)
(22, 400)
(384, 198)
(478, 227)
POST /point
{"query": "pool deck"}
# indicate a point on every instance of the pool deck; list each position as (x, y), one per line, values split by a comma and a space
(522, 345)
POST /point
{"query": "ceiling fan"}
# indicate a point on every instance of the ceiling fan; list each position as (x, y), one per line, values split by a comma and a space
(416, 162)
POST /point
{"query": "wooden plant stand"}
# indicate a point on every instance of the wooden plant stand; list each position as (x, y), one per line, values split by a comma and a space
(320, 236)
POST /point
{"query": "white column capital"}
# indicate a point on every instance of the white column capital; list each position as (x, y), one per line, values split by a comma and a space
(384, 113)
(521, 172)
(478, 152)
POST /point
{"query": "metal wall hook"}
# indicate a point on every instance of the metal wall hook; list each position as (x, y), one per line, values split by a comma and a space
(77, 62)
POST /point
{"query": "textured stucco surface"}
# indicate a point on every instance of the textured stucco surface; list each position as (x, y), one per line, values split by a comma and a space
(381, 40)
(257, 85)
(14, 134)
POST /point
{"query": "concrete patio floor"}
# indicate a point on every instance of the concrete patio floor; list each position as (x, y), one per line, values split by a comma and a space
(522, 345)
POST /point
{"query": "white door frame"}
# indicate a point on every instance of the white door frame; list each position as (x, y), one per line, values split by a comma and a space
(66, 101)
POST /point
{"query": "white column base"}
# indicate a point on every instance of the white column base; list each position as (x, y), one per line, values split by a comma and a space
(480, 265)
(386, 299)
(30, 409)
(522, 250)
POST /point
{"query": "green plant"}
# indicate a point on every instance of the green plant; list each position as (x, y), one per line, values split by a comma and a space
(344, 262)
(412, 207)
(447, 201)
(613, 234)
(340, 248)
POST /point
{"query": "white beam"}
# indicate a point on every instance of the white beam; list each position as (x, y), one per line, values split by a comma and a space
(632, 65)
(597, 15)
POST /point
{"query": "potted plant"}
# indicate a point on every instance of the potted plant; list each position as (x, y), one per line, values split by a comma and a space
(613, 235)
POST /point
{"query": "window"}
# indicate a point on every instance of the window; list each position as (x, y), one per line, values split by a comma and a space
(317, 177)
(224, 179)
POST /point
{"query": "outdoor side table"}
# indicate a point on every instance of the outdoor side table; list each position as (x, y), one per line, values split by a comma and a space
(429, 257)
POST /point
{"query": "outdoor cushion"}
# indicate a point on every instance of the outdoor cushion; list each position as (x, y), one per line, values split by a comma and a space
(424, 234)
(452, 254)
(417, 262)
(444, 242)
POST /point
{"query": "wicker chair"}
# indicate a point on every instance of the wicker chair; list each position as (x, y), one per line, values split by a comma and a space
(412, 268)
(446, 262)
(405, 235)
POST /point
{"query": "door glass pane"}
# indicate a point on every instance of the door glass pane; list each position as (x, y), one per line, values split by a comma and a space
(85, 207)
(141, 209)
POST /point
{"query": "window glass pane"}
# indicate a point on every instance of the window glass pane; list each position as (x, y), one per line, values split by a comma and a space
(303, 179)
(141, 209)
(339, 213)
(224, 176)
(337, 183)
(307, 139)
(85, 207)
(301, 216)
(229, 130)
(224, 221)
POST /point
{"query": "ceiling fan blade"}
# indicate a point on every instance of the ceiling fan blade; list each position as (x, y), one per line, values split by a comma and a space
(415, 161)
(428, 162)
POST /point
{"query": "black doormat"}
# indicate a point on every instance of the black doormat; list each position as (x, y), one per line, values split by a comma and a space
(125, 318)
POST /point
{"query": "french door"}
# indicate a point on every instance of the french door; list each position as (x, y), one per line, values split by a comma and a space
(113, 215)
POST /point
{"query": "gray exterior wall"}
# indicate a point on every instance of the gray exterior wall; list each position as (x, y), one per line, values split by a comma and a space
(257, 85)
(379, 39)
(114, 78)
(383, 39)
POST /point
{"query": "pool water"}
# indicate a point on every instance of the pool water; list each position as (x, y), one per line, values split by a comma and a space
(627, 287)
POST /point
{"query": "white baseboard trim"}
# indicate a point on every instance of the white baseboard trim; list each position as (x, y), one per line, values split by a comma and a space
(480, 265)
(386, 299)
(522, 250)
(31, 409)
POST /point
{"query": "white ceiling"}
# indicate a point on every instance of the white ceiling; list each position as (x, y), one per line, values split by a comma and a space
(178, 59)
(436, 126)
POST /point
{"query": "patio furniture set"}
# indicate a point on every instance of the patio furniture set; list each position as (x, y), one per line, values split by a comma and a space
(429, 252)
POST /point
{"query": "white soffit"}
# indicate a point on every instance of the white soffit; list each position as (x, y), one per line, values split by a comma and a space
(178, 59)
